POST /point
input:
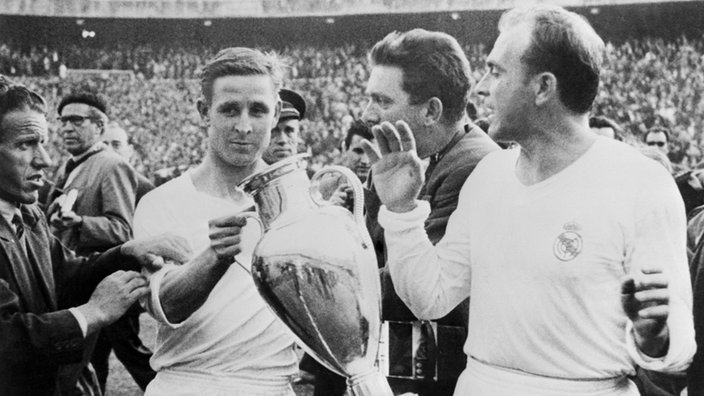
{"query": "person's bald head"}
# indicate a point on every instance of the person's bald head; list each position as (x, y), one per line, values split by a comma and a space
(117, 140)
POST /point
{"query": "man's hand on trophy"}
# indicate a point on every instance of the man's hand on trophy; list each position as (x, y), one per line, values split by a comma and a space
(225, 237)
(396, 168)
(151, 252)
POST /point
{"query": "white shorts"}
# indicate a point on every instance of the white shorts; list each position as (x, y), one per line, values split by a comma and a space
(480, 379)
(187, 383)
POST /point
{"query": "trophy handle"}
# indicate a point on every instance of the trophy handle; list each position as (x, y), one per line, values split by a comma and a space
(251, 215)
(358, 208)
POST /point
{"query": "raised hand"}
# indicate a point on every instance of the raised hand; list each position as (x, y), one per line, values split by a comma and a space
(646, 303)
(396, 168)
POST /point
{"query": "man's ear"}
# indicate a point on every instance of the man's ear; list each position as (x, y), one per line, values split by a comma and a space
(544, 87)
(277, 112)
(203, 108)
(432, 111)
(102, 121)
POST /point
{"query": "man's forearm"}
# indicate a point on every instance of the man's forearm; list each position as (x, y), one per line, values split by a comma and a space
(185, 289)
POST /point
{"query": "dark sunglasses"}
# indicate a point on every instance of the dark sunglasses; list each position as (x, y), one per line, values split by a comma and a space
(76, 120)
(659, 144)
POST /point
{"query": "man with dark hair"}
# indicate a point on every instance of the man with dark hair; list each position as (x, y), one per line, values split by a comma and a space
(573, 247)
(50, 300)
(285, 136)
(423, 77)
(103, 187)
(353, 156)
(658, 137)
(216, 335)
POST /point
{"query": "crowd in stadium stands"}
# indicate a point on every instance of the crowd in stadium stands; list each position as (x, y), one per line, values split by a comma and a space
(646, 83)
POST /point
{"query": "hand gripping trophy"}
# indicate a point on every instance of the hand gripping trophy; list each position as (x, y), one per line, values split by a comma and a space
(316, 268)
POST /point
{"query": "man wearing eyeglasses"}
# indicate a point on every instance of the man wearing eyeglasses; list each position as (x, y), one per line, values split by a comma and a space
(659, 138)
(102, 214)
(92, 209)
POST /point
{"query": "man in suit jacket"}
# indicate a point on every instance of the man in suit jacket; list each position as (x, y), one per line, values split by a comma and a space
(38, 274)
(101, 217)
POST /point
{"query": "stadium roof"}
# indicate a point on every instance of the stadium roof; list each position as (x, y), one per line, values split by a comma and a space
(189, 9)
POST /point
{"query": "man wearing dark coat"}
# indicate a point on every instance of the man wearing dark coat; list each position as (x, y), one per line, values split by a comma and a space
(39, 332)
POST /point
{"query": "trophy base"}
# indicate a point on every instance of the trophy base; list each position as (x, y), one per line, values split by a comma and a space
(372, 383)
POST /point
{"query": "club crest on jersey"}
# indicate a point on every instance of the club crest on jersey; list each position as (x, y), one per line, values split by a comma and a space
(568, 244)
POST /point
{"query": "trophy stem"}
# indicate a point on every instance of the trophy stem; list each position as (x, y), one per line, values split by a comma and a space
(371, 383)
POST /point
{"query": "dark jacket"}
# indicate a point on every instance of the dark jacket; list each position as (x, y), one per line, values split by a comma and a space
(37, 337)
(444, 180)
(107, 191)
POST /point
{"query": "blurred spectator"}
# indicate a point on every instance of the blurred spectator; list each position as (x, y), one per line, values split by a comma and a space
(285, 137)
(116, 139)
(659, 138)
(353, 157)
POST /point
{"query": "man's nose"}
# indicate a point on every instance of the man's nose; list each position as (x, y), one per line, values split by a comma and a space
(244, 123)
(482, 88)
(66, 127)
(41, 158)
(370, 115)
(278, 138)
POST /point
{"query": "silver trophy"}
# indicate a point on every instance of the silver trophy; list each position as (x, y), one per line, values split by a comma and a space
(316, 268)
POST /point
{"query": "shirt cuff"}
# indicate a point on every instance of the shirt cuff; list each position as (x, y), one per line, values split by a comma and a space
(392, 221)
(152, 303)
(640, 358)
(82, 322)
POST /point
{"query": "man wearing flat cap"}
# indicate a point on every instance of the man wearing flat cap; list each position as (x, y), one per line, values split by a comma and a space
(286, 135)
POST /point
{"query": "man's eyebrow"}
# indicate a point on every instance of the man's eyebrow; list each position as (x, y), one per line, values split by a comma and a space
(259, 104)
(492, 64)
(377, 95)
(228, 104)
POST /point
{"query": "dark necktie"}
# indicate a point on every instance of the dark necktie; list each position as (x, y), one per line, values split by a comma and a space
(19, 226)
(434, 159)
(71, 164)
(19, 231)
